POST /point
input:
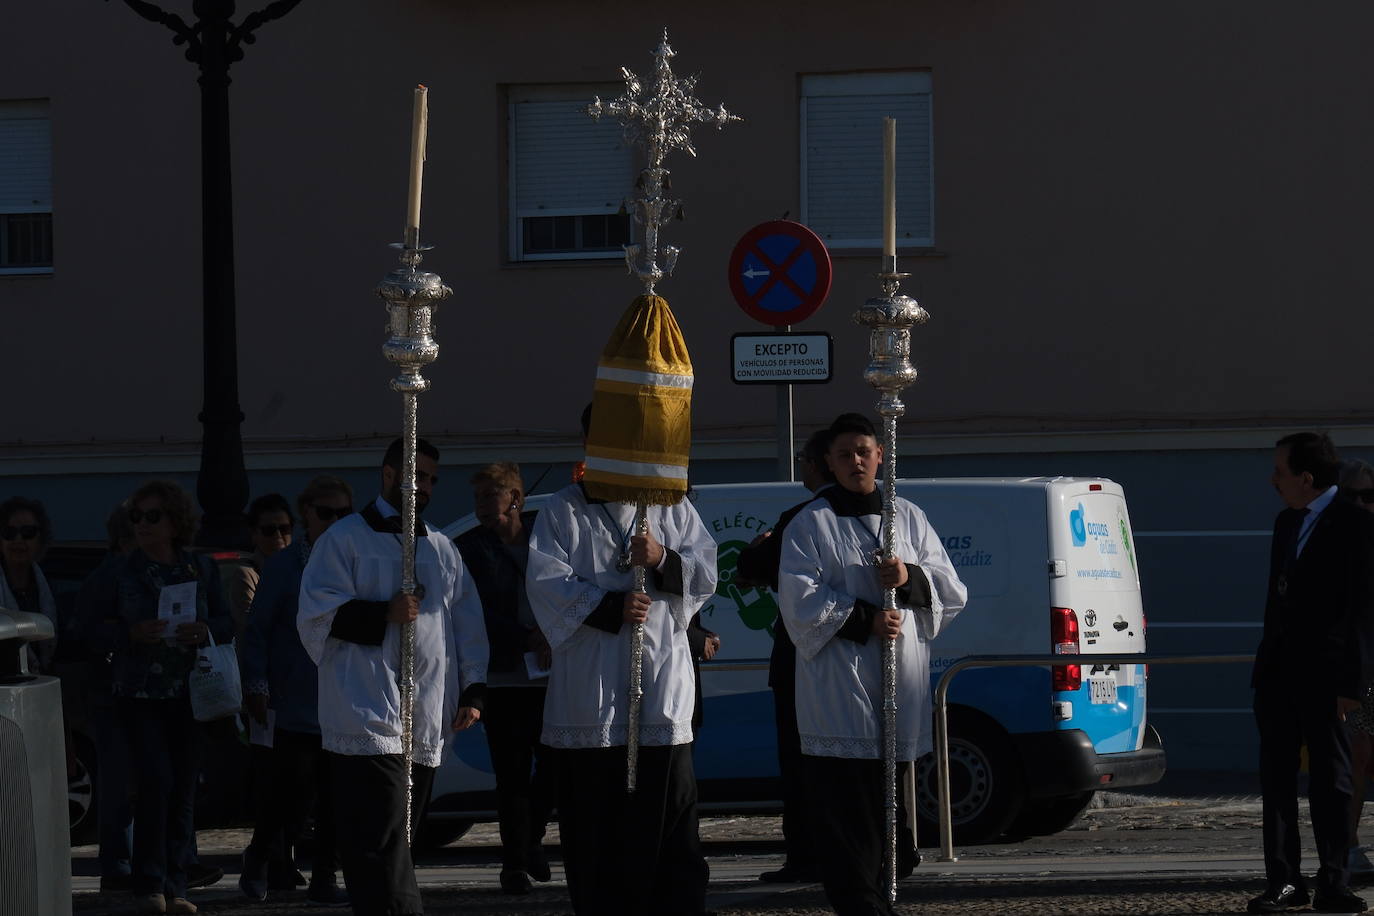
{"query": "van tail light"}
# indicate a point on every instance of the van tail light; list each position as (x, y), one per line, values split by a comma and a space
(1064, 641)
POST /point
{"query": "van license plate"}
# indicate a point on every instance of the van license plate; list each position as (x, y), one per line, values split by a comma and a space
(1102, 689)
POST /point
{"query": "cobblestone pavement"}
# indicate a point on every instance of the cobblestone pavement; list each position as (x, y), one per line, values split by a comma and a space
(1131, 855)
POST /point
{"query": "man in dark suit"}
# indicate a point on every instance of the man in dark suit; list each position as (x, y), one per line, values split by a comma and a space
(1314, 663)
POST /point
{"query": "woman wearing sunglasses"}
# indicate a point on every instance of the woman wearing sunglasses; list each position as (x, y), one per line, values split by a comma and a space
(25, 533)
(167, 602)
(269, 528)
(279, 678)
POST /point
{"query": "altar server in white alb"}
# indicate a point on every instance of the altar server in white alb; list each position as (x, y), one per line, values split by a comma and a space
(350, 621)
(624, 853)
(831, 590)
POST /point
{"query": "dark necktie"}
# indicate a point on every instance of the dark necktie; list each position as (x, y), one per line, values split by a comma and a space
(1290, 556)
(1297, 534)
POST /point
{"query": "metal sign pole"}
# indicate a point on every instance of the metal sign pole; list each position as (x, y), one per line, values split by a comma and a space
(787, 443)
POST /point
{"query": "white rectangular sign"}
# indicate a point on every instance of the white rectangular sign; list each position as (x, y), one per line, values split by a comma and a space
(774, 359)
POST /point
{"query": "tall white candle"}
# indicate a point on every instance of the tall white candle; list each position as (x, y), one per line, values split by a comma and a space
(419, 127)
(889, 187)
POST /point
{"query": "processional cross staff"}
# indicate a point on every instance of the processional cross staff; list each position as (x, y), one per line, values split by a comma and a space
(890, 318)
(659, 122)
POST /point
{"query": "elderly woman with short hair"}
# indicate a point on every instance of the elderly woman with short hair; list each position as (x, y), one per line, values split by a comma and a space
(150, 663)
(270, 527)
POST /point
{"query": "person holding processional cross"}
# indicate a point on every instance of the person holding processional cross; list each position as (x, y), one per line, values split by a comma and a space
(618, 565)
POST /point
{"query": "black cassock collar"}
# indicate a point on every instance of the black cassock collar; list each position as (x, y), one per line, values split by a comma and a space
(390, 524)
(848, 504)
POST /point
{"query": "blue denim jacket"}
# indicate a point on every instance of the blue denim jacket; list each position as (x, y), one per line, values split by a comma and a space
(274, 661)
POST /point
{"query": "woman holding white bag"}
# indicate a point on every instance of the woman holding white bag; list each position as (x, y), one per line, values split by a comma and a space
(168, 603)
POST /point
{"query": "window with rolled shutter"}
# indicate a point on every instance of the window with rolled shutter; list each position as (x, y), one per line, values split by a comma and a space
(568, 176)
(842, 157)
(25, 187)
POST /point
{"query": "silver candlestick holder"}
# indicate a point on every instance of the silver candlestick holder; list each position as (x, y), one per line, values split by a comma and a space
(889, 319)
(411, 297)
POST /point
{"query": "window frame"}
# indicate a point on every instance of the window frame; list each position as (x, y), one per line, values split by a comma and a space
(30, 110)
(868, 84)
(573, 94)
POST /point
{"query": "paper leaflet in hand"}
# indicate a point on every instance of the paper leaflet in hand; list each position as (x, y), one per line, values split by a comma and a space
(261, 734)
(176, 604)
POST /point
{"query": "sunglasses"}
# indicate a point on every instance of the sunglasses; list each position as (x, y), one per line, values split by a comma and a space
(17, 532)
(329, 513)
(268, 531)
(138, 516)
(1365, 496)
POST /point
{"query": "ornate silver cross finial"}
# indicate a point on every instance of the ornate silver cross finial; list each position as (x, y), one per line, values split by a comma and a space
(660, 123)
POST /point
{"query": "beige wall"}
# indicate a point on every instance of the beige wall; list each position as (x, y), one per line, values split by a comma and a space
(1141, 211)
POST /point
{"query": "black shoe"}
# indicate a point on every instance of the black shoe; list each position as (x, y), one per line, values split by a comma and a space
(285, 876)
(200, 875)
(537, 864)
(791, 874)
(116, 884)
(514, 881)
(253, 877)
(330, 895)
(1338, 900)
(907, 861)
(1280, 898)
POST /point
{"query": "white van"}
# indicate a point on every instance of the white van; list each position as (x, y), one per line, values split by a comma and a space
(1050, 567)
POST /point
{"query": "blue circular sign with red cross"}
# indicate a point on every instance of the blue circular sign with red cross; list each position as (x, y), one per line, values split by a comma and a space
(780, 273)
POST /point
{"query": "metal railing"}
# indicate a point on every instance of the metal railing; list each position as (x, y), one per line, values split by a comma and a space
(941, 702)
(736, 664)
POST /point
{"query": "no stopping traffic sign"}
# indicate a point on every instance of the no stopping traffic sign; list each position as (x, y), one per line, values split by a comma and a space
(780, 273)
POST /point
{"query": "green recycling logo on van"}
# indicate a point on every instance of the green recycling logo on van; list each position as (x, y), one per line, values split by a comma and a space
(757, 607)
(1126, 542)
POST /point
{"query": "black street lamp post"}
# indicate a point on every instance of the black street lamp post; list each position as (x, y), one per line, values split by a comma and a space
(214, 43)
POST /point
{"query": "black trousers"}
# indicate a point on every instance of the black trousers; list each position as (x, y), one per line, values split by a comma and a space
(294, 785)
(513, 718)
(369, 815)
(631, 854)
(165, 744)
(797, 844)
(845, 809)
(1288, 717)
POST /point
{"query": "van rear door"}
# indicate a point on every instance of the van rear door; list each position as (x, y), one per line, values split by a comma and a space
(1093, 569)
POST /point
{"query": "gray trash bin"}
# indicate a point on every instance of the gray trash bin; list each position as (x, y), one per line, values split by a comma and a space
(35, 847)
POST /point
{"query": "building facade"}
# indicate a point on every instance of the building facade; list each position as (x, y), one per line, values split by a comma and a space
(1139, 230)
